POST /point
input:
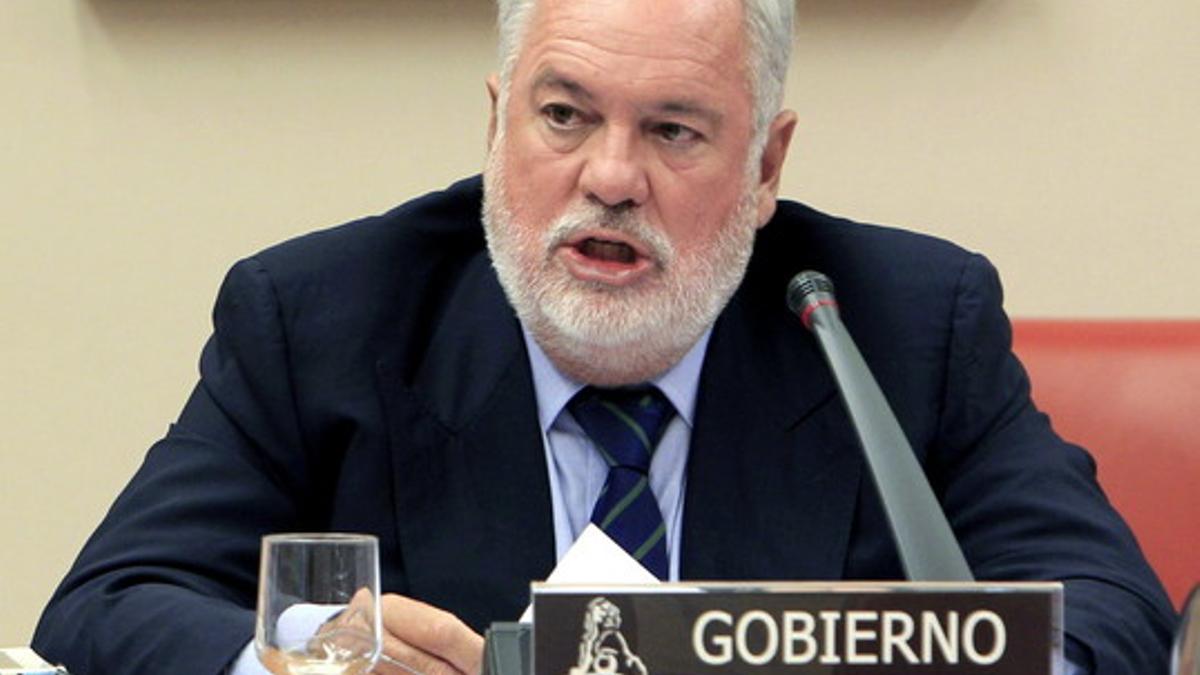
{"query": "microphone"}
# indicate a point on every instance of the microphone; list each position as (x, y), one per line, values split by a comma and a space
(928, 549)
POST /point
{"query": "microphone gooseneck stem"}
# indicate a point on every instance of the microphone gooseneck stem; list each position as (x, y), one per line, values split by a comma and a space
(927, 546)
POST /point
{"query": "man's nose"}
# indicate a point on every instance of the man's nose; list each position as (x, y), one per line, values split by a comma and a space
(614, 175)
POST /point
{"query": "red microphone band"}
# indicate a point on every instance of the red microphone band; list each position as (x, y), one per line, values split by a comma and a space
(806, 316)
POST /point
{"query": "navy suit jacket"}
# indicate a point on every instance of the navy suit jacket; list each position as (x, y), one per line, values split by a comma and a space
(373, 378)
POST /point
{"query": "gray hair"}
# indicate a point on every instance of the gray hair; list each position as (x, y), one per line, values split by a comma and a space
(768, 27)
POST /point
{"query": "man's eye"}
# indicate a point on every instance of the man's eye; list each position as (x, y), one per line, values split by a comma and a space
(562, 116)
(673, 132)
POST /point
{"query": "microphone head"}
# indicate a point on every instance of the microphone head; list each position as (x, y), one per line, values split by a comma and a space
(807, 291)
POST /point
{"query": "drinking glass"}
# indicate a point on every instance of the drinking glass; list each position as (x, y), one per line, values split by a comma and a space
(318, 604)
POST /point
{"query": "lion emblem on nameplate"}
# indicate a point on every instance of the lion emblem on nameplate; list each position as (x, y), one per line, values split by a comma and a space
(603, 650)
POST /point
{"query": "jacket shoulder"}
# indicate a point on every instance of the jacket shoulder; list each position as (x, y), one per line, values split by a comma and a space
(849, 242)
(870, 265)
(351, 290)
(424, 231)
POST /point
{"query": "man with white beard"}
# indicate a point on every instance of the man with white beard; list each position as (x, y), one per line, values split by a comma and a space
(430, 375)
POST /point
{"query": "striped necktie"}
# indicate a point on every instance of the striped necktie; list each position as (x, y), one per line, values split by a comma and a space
(625, 426)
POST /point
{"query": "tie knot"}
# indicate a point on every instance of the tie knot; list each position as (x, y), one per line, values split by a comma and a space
(625, 424)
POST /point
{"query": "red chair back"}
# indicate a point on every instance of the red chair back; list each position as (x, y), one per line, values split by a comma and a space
(1129, 391)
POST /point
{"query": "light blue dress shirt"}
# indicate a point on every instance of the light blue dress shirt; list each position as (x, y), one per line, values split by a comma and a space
(577, 471)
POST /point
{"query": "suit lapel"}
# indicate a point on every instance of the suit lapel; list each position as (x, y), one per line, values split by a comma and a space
(474, 516)
(773, 470)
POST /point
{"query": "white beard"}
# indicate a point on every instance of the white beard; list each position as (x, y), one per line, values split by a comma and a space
(602, 334)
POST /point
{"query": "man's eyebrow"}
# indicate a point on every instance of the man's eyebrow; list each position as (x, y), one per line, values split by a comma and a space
(689, 108)
(552, 79)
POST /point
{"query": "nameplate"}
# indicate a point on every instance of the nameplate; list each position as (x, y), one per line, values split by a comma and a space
(851, 628)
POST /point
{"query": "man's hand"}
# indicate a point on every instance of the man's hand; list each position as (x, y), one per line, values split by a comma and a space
(428, 640)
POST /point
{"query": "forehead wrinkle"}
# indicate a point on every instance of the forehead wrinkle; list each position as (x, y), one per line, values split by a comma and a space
(700, 51)
(556, 61)
(586, 49)
(626, 52)
(680, 24)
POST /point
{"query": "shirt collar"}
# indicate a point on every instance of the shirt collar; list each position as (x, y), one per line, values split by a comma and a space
(554, 390)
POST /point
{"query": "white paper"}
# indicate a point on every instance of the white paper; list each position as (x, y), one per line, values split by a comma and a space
(595, 558)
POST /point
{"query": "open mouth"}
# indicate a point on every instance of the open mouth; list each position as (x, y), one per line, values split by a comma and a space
(608, 258)
(607, 251)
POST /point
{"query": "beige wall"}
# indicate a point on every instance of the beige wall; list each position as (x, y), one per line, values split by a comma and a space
(147, 144)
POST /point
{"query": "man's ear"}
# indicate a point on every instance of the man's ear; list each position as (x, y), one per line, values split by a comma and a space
(493, 88)
(779, 138)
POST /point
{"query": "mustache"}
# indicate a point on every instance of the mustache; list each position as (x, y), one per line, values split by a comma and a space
(584, 217)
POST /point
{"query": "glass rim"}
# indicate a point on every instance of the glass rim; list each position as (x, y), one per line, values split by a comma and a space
(319, 538)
